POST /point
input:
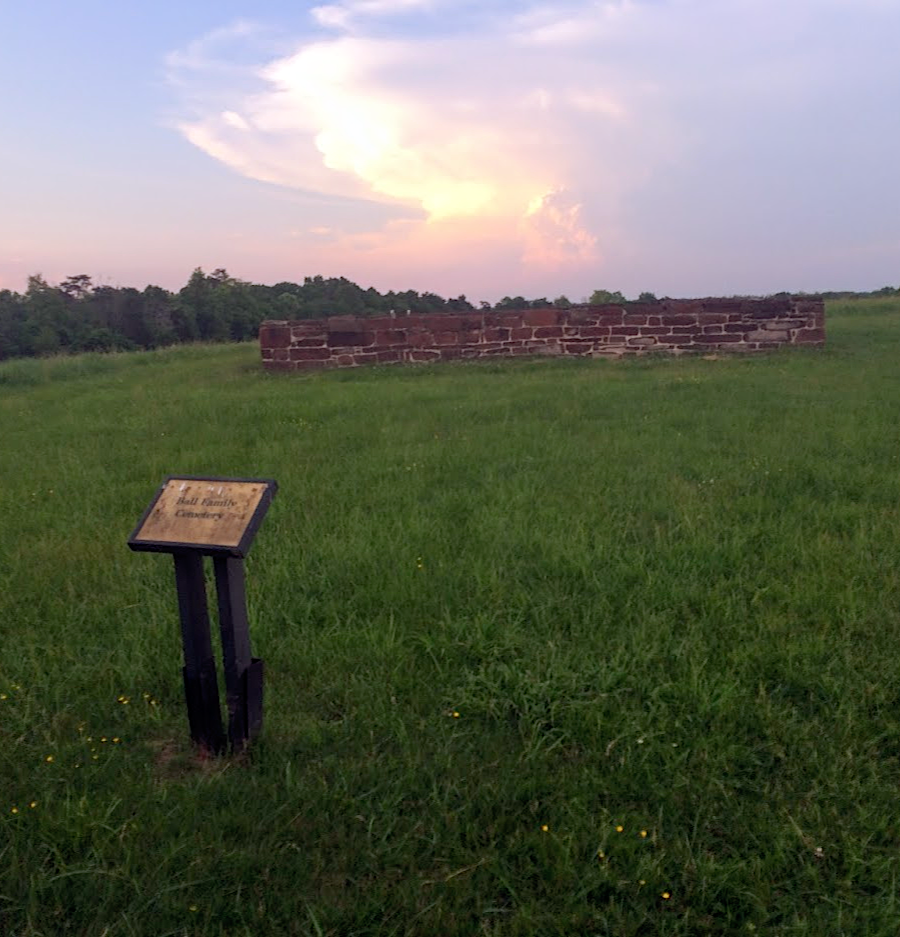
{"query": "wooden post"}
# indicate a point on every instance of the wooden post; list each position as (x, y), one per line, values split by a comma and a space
(201, 686)
(243, 673)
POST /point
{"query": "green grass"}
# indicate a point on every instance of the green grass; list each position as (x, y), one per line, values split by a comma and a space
(659, 594)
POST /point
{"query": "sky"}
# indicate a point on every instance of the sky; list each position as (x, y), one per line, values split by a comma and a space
(489, 148)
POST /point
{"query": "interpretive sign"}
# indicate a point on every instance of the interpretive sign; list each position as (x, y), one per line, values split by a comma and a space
(212, 515)
(191, 517)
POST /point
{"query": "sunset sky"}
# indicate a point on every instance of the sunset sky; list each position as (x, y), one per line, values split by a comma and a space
(686, 147)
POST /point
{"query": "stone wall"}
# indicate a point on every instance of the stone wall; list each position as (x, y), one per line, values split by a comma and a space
(609, 331)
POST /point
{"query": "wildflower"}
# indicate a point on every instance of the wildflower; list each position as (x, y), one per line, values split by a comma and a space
(455, 714)
(545, 828)
(642, 881)
(3, 696)
(14, 810)
(116, 740)
(49, 759)
(94, 757)
(192, 907)
(33, 804)
(103, 738)
(643, 834)
(601, 854)
(666, 896)
(619, 828)
(640, 741)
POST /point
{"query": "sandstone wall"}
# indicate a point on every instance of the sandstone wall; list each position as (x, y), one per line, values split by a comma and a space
(609, 331)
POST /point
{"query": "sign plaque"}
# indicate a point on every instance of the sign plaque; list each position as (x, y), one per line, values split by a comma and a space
(210, 515)
(192, 517)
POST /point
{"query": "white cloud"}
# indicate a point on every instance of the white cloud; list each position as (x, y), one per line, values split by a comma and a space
(346, 15)
(575, 132)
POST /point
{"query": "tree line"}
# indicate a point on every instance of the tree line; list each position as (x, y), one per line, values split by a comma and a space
(77, 315)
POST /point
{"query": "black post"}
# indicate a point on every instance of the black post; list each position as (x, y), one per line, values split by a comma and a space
(201, 686)
(243, 673)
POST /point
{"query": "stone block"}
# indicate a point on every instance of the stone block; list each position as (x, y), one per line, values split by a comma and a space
(723, 339)
(274, 336)
(350, 339)
(766, 335)
(419, 338)
(712, 318)
(677, 319)
(344, 324)
(541, 317)
(390, 337)
(310, 354)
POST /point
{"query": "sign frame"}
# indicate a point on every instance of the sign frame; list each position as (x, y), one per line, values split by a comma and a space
(239, 550)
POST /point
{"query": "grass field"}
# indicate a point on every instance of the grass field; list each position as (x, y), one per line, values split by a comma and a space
(552, 647)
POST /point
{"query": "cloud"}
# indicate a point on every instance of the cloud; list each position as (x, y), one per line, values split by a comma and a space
(345, 15)
(578, 133)
(367, 119)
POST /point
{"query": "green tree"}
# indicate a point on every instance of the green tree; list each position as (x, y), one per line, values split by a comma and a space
(601, 297)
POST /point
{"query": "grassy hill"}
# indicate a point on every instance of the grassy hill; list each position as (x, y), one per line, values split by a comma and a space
(552, 647)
